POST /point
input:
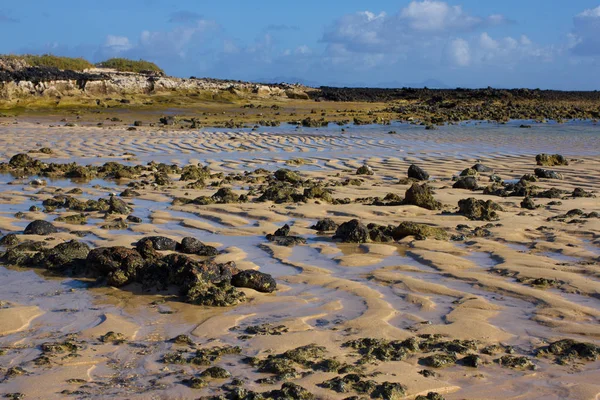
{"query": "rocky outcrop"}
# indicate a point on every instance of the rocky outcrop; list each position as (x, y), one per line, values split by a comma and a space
(21, 81)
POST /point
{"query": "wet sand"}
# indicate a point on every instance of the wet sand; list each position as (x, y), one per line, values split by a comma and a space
(328, 292)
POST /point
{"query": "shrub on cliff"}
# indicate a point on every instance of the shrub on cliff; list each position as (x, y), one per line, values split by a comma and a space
(126, 65)
(51, 61)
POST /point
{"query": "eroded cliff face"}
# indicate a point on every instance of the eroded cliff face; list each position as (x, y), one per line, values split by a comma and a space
(37, 82)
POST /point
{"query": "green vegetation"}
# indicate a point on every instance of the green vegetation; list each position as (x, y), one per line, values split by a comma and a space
(124, 64)
(49, 60)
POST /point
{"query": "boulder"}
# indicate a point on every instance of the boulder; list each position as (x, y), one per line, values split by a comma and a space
(118, 206)
(421, 196)
(419, 231)
(418, 173)
(481, 210)
(282, 237)
(352, 231)
(325, 225)
(286, 175)
(190, 245)
(120, 265)
(365, 170)
(547, 174)
(158, 243)
(64, 255)
(40, 227)
(467, 182)
(256, 280)
(550, 160)
(528, 203)
(482, 168)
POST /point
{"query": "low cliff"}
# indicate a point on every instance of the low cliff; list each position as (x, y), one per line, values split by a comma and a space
(22, 82)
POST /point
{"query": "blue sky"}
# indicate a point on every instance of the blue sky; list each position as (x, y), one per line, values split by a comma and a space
(467, 43)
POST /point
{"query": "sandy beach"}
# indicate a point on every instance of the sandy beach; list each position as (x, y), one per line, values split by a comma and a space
(479, 306)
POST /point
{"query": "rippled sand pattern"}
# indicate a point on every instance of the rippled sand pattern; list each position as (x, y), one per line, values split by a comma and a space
(328, 292)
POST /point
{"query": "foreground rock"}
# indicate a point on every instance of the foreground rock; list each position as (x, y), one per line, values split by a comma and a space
(199, 282)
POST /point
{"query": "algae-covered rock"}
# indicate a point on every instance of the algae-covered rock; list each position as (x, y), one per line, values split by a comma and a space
(550, 160)
(120, 265)
(352, 231)
(256, 280)
(286, 175)
(419, 231)
(421, 196)
(365, 170)
(325, 225)
(481, 210)
(40, 227)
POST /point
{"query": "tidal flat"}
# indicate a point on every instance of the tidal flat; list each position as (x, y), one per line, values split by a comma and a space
(344, 261)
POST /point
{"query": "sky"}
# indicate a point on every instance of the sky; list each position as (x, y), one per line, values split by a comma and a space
(548, 44)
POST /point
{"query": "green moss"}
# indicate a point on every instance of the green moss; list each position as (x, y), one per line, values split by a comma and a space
(126, 65)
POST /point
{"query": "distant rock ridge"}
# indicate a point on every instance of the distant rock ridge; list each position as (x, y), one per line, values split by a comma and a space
(19, 80)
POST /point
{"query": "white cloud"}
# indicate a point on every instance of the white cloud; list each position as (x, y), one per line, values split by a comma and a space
(459, 52)
(437, 16)
(117, 43)
(585, 38)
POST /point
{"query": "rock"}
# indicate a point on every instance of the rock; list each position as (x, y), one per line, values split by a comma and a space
(134, 219)
(214, 295)
(365, 170)
(317, 192)
(438, 360)
(547, 174)
(467, 182)
(280, 193)
(215, 373)
(419, 231)
(579, 192)
(9, 240)
(421, 196)
(325, 225)
(389, 391)
(194, 173)
(418, 173)
(352, 231)
(528, 203)
(285, 175)
(226, 196)
(550, 160)
(282, 237)
(129, 193)
(516, 362)
(479, 209)
(120, 265)
(158, 243)
(40, 227)
(256, 280)
(481, 168)
(472, 360)
(552, 193)
(118, 206)
(21, 161)
(568, 350)
(190, 245)
(65, 255)
(469, 172)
